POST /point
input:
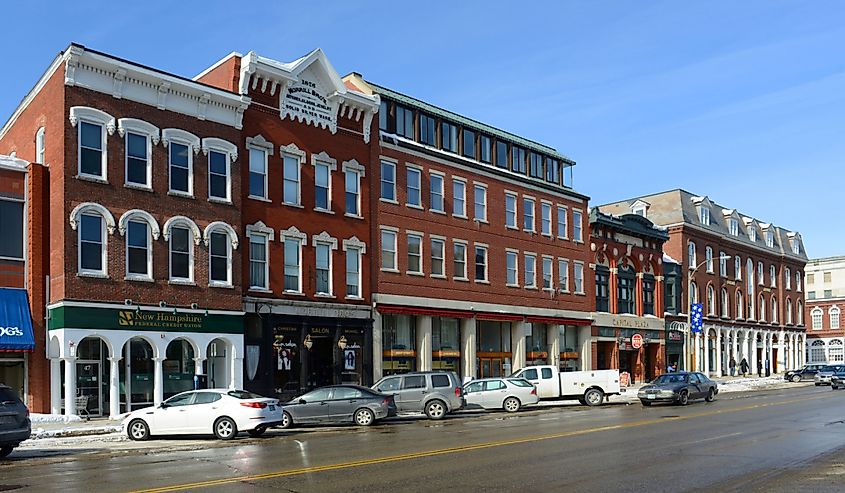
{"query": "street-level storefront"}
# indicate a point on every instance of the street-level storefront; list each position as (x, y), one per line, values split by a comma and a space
(114, 358)
(675, 349)
(293, 348)
(17, 340)
(634, 345)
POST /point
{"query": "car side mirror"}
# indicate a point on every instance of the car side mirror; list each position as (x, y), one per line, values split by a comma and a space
(302, 401)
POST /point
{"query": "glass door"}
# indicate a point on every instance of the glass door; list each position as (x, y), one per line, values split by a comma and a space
(88, 385)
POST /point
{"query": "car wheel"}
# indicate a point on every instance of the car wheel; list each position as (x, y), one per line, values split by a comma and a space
(646, 403)
(257, 432)
(138, 430)
(512, 404)
(833, 387)
(593, 397)
(287, 420)
(710, 396)
(5, 451)
(364, 417)
(796, 378)
(225, 428)
(435, 409)
(683, 398)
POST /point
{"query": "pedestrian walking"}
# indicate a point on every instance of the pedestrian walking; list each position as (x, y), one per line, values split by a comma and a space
(733, 366)
(759, 368)
(743, 367)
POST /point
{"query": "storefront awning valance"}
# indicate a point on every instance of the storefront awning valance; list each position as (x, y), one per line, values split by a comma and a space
(433, 312)
(15, 321)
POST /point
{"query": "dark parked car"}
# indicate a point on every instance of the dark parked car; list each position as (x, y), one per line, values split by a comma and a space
(837, 381)
(805, 373)
(14, 421)
(824, 375)
(678, 388)
(338, 404)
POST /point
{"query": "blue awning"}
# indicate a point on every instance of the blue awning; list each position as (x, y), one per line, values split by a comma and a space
(15, 321)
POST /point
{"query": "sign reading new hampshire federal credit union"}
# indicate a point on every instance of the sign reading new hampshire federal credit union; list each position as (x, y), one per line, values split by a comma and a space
(74, 317)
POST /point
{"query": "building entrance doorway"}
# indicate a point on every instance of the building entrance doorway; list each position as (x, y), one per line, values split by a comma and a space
(490, 367)
(88, 385)
(320, 361)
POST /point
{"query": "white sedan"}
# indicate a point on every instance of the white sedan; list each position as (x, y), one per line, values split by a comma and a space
(509, 394)
(221, 412)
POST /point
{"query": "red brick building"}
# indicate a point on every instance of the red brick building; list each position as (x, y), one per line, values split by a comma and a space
(747, 274)
(825, 288)
(133, 227)
(481, 244)
(306, 287)
(629, 327)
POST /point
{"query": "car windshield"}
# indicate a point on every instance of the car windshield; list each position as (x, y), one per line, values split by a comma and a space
(670, 378)
(243, 394)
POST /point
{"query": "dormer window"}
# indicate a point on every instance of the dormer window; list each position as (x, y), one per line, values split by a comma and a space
(704, 215)
(733, 227)
(796, 247)
(770, 239)
(639, 210)
(752, 234)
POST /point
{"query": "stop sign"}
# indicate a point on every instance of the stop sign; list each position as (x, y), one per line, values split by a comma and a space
(636, 341)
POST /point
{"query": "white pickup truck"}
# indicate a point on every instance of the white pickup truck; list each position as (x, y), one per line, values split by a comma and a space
(588, 387)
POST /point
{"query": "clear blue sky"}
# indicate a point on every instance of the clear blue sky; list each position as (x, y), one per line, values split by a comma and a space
(741, 101)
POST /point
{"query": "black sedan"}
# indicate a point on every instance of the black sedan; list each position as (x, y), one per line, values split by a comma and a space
(14, 421)
(837, 380)
(678, 388)
(338, 404)
(805, 373)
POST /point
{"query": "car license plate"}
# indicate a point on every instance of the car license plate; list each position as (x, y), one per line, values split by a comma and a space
(650, 396)
(272, 407)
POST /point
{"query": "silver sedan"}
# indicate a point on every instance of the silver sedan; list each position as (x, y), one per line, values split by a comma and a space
(510, 394)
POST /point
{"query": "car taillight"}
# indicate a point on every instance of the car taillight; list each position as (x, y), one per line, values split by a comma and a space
(534, 391)
(457, 391)
(255, 405)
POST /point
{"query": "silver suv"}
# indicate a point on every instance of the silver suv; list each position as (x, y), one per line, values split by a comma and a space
(436, 393)
(14, 421)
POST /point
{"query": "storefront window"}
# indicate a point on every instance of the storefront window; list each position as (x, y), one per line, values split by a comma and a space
(446, 344)
(493, 349)
(398, 344)
(537, 345)
(286, 341)
(569, 356)
(178, 368)
(13, 372)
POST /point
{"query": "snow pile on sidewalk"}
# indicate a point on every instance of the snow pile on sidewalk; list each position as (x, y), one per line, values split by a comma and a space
(40, 433)
(53, 418)
(751, 383)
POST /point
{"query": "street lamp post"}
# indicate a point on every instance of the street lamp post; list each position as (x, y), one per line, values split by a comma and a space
(688, 355)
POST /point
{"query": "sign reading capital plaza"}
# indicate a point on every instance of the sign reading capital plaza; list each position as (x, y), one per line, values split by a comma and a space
(306, 100)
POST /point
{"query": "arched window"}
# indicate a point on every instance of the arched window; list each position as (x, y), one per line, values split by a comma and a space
(221, 239)
(800, 313)
(726, 309)
(749, 271)
(787, 277)
(737, 268)
(693, 292)
(711, 300)
(762, 303)
(816, 315)
(140, 229)
(39, 146)
(817, 352)
(739, 303)
(93, 223)
(798, 281)
(760, 279)
(834, 317)
(708, 255)
(774, 310)
(93, 126)
(182, 234)
(789, 311)
(834, 351)
(691, 255)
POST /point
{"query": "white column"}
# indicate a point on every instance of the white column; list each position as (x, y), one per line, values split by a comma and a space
(55, 385)
(468, 346)
(782, 352)
(705, 368)
(553, 341)
(744, 348)
(754, 352)
(696, 352)
(585, 342)
(735, 345)
(803, 355)
(719, 362)
(518, 331)
(114, 386)
(70, 385)
(378, 350)
(236, 374)
(769, 351)
(424, 343)
(158, 381)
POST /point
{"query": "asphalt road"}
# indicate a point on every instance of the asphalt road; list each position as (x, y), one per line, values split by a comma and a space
(785, 440)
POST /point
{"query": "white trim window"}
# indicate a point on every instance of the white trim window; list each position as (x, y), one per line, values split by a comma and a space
(292, 175)
(12, 228)
(711, 300)
(480, 202)
(510, 210)
(512, 268)
(40, 147)
(181, 254)
(388, 181)
(139, 139)
(459, 198)
(92, 244)
(438, 260)
(481, 263)
(738, 268)
(563, 275)
(459, 260)
(800, 312)
(353, 192)
(436, 192)
(548, 274)
(733, 226)
(92, 141)
(708, 256)
(293, 264)
(725, 306)
(219, 177)
(723, 264)
(761, 280)
(691, 255)
(774, 310)
(180, 160)
(789, 311)
(528, 215)
(752, 234)
(773, 277)
(353, 271)
(577, 226)
(322, 186)
(762, 303)
(816, 316)
(833, 312)
(323, 268)
(415, 253)
(259, 151)
(530, 274)
(388, 250)
(220, 245)
(578, 277)
(139, 251)
(546, 219)
(259, 265)
(739, 302)
(798, 281)
(770, 239)
(562, 232)
(413, 186)
(704, 215)
(787, 279)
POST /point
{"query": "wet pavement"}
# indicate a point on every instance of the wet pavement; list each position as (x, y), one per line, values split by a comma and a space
(777, 440)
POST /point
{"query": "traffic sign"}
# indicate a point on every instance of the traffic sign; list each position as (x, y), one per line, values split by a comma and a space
(636, 341)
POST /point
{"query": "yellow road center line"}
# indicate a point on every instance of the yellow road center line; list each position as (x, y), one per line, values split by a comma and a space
(464, 448)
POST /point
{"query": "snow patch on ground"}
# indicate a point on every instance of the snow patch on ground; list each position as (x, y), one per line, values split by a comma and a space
(41, 433)
(743, 384)
(53, 418)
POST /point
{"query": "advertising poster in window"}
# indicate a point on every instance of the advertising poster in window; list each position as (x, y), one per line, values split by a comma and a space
(287, 363)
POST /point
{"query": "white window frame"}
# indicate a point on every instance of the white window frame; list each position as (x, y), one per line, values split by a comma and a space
(193, 143)
(832, 312)
(562, 225)
(578, 276)
(390, 164)
(787, 279)
(774, 306)
(135, 276)
(733, 226)
(482, 189)
(486, 249)
(194, 238)
(231, 246)
(441, 241)
(354, 246)
(464, 245)
(353, 167)
(789, 319)
(530, 270)
(107, 125)
(421, 237)
(40, 146)
(550, 274)
(108, 225)
(708, 256)
(546, 218)
(413, 169)
(816, 317)
(752, 234)
(330, 164)
(761, 277)
(577, 226)
(293, 234)
(152, 134)
(228, 160)
(723, 264)
(326, 241)
(737, 268)
(259, 144)
(511, 224)
(563, 274)
(770, 239)
(528, 219)
(104, 250)
(798, 281)
(394, 232)
(291, 151)
(441, 193)
(691, 255)
(704, 215)
(259, 238)
(462, 213)
(761, 312)
(724, 308)
(512, 254)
